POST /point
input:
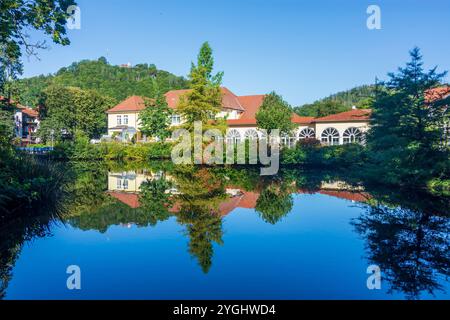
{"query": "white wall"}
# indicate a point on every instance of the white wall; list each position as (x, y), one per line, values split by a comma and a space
(340, 127)
(133, 120)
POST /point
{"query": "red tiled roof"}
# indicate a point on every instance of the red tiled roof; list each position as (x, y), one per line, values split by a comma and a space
(173, 97)
(301, 120)
(29, 112)
(130, 199)
(347, 195)
(241, 122)
(437, 93)
(352, 115)
(229, 99)
(132, 104)
(251, 105)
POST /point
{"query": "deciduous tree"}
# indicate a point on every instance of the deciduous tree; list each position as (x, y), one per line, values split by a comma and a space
(275, 113)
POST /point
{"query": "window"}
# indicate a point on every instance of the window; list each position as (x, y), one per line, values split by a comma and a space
(125, 184)
(176, 119)
(251, 134)
(119, 120)
(330, 136)
(352, 135)
(307, 133)
(125, 119)
(233, 136)
(119, 183)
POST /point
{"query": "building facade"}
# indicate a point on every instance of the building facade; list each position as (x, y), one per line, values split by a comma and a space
(240, 114)
(26, 124)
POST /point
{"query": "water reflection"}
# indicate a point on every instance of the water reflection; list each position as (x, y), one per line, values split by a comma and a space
(405, 234)
(410, 244)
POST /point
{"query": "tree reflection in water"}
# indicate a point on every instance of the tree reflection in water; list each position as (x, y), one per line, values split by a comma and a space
(410, 245)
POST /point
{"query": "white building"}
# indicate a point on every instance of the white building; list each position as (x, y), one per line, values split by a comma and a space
(240, 112)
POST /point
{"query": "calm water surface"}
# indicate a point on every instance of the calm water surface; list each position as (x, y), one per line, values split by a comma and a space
(158, 233)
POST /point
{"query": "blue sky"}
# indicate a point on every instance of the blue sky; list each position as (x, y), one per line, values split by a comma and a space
(304, 50)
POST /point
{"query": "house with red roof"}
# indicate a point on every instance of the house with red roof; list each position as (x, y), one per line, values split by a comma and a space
(240, 113)
(26, 121)
(26, 124)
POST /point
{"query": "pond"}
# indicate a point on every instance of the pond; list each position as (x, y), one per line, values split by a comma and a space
(155, 231)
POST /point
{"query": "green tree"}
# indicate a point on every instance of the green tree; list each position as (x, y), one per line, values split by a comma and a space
(274, 203)
(405, 141)
(66, 110)
(17, 17)
(321, 108)
(154, 199)
(275, 113)
(6, 124)
(361, 97)
(155, 118)
(205, 99)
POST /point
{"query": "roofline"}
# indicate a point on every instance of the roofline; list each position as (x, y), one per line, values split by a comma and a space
(125, 111)
(242, 124)
(352, 120)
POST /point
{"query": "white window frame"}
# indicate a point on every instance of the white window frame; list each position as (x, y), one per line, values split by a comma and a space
(175, 119)
(119, 120)
(251, 134)
(307, 133)
(352, 135)
(330, 136)
(233, 136)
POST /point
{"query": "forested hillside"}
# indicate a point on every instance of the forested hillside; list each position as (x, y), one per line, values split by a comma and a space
(360, 97)
(117, 82)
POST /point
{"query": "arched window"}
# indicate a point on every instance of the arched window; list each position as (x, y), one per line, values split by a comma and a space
(233, 136)
(330, 136)
(251, 134)
(307, 133)
(263, 134)
(352, 135)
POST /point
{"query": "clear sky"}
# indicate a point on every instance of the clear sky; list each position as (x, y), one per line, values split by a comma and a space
(304, 50)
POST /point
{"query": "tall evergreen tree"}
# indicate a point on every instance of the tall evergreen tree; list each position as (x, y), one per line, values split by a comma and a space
(205, 99)
(405, 140)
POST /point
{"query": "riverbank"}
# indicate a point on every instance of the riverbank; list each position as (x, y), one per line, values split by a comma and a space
(354, 158)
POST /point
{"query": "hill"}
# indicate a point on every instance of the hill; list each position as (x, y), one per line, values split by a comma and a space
(117, 82)
(342, 101)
